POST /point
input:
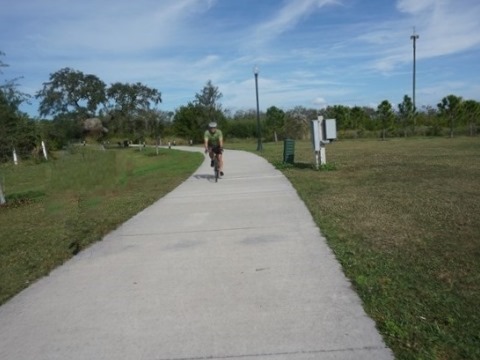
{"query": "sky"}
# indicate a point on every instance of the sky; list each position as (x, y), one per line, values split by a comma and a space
(310, 53)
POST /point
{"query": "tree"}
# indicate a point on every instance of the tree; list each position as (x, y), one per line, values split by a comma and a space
(297, 122)
(188, 122)
(130, 106)
(386, 115)
(192, 120)
(471, 112)
(208, 99)
(131, 97)
(60, 131)
(71, 91)
(449, 107)
(243, 124)
(341, 114)
(208, 102)
(156, 122)
(10, 93)
(274, 121)
(2, 64)
(359, 118)
(406, 112)
(17, 130)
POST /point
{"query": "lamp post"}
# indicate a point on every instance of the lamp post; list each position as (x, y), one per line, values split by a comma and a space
(414, 37)
(259, 142)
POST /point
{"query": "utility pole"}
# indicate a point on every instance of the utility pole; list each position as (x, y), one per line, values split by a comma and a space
(414, 37)
(259, 133)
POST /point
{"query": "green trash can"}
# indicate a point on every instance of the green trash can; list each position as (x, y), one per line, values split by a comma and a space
(288, 151)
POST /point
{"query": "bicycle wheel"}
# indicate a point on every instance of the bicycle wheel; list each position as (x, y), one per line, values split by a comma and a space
(215, 168)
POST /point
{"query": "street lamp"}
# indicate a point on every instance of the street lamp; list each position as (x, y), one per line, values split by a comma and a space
(414, 37)
(259, 142)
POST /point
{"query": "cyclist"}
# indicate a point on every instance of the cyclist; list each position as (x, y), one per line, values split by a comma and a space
(213, 139)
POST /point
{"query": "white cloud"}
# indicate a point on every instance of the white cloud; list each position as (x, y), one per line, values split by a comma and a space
(310, 52)
(444, 27)
(320, 102)
(289, 15)
(112, 26)
(415, 6)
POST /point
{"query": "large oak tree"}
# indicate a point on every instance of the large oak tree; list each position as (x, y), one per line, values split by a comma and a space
(71, 91)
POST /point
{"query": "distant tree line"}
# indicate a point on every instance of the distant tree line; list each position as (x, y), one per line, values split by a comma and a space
(125, 111)
(452, 115)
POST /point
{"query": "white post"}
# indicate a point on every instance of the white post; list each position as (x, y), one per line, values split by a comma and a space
(15, 159)
(44, 149)
(323, 156)
(316, 139)
(2, 197)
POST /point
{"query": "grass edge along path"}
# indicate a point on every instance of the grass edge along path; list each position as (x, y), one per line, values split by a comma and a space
(57, 208)
(403, 218)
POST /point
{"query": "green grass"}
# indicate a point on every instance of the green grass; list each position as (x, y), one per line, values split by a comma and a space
(56, 208)
(403, 218)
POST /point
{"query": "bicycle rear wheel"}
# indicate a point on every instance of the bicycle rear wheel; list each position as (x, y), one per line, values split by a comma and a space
(215, 168)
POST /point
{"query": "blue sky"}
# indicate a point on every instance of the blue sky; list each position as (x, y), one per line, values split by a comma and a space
(311, 53)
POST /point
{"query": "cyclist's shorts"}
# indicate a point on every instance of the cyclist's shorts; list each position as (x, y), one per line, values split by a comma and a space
(216, 149)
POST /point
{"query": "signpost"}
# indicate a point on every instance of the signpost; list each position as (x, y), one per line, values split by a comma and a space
(323, 132)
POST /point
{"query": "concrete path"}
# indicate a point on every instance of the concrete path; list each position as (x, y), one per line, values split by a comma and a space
(229, 270)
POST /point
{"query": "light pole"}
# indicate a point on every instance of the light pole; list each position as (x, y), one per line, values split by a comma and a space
(259, 142)
(414, 37)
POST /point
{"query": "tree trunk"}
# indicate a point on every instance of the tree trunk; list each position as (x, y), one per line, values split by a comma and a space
(472, 129)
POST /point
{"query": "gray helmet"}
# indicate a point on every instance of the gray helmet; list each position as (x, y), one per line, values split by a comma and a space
(213, 124)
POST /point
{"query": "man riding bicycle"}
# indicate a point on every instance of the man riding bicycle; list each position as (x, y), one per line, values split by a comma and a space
(213, 139)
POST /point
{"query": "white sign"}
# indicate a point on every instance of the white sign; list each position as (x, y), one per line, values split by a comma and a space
(330, 129)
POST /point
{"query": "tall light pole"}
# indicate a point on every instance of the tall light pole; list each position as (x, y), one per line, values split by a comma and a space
(259, 141)
(414, 37)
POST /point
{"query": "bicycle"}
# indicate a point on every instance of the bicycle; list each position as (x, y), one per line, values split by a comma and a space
(216, 169)
(216, 165)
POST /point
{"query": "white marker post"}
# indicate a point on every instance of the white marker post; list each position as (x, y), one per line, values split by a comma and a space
(2, 197)
(316, 126)
(15, 158)
(44, 149)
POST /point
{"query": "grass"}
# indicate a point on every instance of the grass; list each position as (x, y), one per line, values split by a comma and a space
(403, 218)
(57, 208)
